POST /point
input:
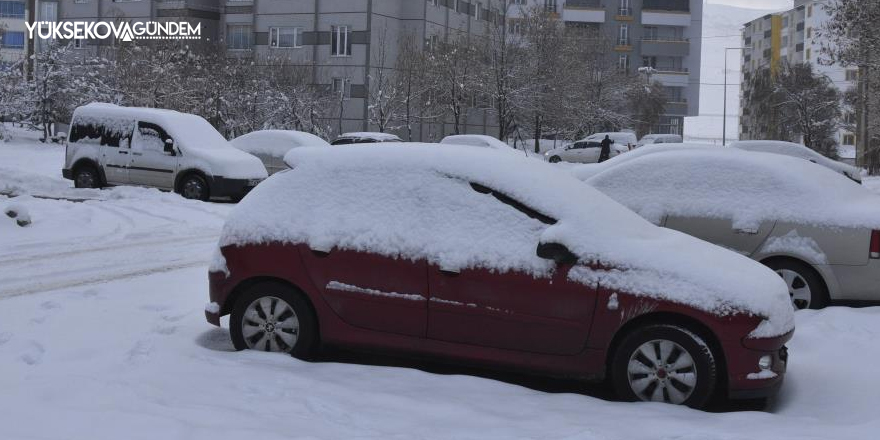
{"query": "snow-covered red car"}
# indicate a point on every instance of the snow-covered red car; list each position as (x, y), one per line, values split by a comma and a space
(445, 253)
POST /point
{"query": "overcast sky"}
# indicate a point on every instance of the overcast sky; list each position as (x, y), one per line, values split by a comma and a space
(757, 4)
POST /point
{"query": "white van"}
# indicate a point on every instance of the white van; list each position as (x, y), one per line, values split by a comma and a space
(112, 145)
(650, 139)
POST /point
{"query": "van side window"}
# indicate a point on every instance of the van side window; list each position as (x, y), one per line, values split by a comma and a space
(85, 133)
(151, 136)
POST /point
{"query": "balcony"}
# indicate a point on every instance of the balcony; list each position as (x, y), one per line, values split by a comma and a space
(659, 46)
(672, 77)
(584, 11)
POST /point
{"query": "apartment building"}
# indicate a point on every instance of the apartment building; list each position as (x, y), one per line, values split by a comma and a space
(790, 37)
(13, 33)
(665, 35)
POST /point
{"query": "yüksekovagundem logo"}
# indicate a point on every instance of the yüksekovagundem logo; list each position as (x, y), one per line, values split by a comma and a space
(122, 31)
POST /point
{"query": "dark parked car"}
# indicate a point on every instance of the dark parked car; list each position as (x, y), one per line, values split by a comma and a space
(444, 252)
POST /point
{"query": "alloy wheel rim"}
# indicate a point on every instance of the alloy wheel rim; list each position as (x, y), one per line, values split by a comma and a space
(192, 189)
(798, 289)
(270, 324)
(662, 371)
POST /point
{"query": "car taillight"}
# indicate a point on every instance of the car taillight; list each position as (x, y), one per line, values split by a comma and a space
(875, 244)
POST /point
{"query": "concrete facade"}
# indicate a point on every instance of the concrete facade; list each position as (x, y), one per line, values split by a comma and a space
(791, 37)
(14, 15)
(663, 34)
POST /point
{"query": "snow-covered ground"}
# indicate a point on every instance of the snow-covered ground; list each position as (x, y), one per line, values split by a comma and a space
(102, 336)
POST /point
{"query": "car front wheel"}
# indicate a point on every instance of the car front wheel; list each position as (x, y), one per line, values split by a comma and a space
(194, 187)
(664, 363)
(555, 159)
(273, 317)
(804, 286)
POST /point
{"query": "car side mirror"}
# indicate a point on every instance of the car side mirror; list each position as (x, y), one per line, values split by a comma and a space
(556, 252)
(169, 147)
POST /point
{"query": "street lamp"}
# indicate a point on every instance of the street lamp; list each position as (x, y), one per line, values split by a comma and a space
(724, 122)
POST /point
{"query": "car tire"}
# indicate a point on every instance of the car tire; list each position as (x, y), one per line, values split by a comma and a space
(806, 289)
(86, 176)
(555, 159)
(271, 316)
(664, 363)
(195, 187)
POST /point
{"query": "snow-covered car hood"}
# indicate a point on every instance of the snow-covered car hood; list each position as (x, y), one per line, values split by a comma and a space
(415, 201)
(586, 171)
(727, 183)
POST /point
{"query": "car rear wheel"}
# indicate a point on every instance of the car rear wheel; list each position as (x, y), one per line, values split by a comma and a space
(804, 286)
(664, 363)
(555, 159)
(273, 317)
(194, 187)
(86, 176)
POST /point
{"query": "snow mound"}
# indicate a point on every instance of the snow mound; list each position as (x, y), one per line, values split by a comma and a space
(417, 201)
(746, 187)
(276, 143)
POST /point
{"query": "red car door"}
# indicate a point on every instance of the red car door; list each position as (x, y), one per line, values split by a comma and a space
(510, 310)
(372, 291)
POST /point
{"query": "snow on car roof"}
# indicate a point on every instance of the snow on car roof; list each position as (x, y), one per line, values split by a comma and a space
(478, 140)
(276, 142)
(747, 187)
(384, 137)
(416, 201)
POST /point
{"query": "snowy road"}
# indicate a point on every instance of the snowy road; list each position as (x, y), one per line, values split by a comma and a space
(102, 336)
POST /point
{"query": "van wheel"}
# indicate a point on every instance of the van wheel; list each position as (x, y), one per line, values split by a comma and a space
(270, 316)
(86, 176)
(664, 363)
(555, 159)
(194, 187)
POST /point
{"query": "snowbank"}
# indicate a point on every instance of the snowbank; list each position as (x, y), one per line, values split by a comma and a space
(276, 143)
(728, 183)
(416, 201)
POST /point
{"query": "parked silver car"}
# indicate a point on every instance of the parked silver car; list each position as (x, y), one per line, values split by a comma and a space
(818, 230)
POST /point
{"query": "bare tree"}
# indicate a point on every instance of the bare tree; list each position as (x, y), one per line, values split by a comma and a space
(810, 105)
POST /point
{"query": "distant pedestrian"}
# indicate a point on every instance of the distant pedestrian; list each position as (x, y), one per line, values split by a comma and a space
(606, 149)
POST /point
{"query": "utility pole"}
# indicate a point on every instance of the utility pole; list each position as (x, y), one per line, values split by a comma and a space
(724, 122)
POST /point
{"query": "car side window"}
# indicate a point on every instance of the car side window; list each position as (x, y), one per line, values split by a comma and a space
(85, 133)
(343, 141)
(151, 137)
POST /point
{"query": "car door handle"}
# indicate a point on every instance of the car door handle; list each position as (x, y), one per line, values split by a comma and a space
(320, 252)
(123, 152)
(137, 154)
(450, 272)
(741, 231)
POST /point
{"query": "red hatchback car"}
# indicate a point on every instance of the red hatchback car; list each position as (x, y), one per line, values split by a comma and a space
(472, 256)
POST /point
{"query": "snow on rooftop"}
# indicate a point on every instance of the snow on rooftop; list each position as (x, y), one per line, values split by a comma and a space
(747, 187)
(416, 201)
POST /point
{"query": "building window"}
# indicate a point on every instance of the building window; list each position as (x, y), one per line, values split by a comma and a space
(432, 42)
(785, 21)
(340, 41)
(849, 139)
(852, 75)
(48, 11)
(239, 37)
(478, 12)
(432, 2)
(550, 5)
(809, 32)
(79, 43)
(623, 62)
(625, 8)
(285, 37)
(810, 11)
(808, 55)
(623, 36)
(12, 40)
(785, 41)
(9, 9)
(342, 88)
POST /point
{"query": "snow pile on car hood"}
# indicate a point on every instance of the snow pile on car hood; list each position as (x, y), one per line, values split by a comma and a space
(747, 187)
(276, 143)
(202, 145)
(416, 201)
